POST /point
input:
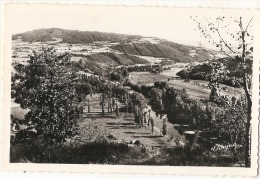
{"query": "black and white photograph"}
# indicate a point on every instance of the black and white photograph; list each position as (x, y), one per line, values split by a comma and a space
(131, 86)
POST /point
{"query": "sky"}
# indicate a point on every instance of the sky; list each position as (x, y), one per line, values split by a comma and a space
(168, 23)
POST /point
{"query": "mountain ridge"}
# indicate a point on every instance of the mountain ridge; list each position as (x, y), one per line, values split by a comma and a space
(46, 34)
(117, 49)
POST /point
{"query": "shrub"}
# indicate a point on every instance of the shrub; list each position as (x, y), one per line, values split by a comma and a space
(102, 152)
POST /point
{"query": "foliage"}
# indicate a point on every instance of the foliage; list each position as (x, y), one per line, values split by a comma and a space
(156, 99)
(237, 44)
(203, 71)
(138, 68)
(108, 152)
(138, 100)
(83, 89)
(229, 34)
(184, 110)
(164, 49)
(97, 152)
(69, 36)
(184, 73)
(47, 89)
(177, 104)
(229, 122)
(118, 75)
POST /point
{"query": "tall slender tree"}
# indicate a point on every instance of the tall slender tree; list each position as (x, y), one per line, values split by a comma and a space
(233, 36)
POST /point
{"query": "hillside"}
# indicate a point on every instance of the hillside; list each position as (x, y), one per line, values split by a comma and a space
(98, 62)
(98, 49)
(70, 36)
(165, 49)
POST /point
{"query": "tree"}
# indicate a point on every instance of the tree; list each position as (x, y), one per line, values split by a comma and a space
(156, 99)
(46, 87)
(161, 85)
(164, 126)
(138, 99)
(83, 89)
(176, 106)
(236, 43)
(102, 103)
(228, 123)
(183, 73)
(139, 103)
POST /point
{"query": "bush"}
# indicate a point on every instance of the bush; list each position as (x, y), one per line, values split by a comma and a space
(102, 152)
(199, 156)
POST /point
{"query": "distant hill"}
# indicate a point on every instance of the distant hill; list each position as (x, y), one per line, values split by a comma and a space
(70, 36)
(129, 48)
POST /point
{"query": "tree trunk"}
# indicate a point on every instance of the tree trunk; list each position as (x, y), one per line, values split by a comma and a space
(103, 109)
(247, 136)
(88, 106)
(249, 102)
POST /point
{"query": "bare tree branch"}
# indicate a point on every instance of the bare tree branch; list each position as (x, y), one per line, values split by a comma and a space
(240, 24)
(227, 54)
(230, 107)
(248, 24)
(238, 84)
(224, 41)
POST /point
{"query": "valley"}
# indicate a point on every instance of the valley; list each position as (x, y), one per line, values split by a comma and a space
(120, 82)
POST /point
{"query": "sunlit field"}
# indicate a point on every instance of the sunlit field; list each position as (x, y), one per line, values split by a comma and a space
(196, 88)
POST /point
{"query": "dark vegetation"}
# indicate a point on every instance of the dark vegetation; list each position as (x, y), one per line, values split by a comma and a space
(239, 42)
(100, 152)
(47, 88)
(165, 49)
(204, 115)
(107, 152)
(197, 156)
(177, 104)
(204, 71)
(99, 62)
(88, 66)
(70, 36)
(139, 68)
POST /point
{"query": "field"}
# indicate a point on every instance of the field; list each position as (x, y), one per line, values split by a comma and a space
(151, 60)
(196, 88)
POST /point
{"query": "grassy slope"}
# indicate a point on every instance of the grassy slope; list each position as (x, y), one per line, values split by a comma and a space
(176, 52)
(116, 59)
(196, 90)
(99, 61)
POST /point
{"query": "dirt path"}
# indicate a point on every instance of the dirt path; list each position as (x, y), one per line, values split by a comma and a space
(124, 129)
